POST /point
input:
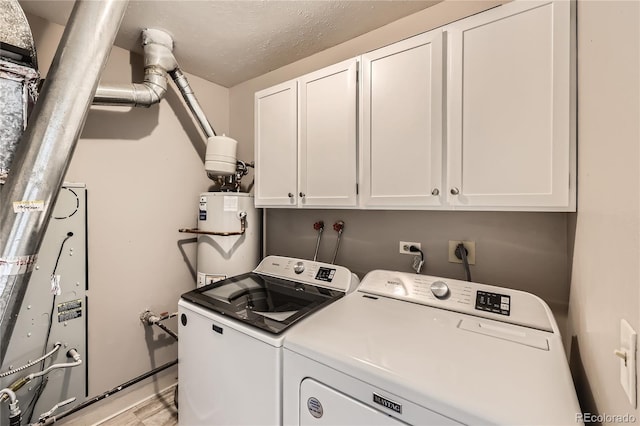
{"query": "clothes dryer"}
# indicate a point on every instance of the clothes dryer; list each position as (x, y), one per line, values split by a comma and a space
(421, 350)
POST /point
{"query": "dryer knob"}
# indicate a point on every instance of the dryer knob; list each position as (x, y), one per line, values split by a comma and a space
(298, 268)
(440, 289)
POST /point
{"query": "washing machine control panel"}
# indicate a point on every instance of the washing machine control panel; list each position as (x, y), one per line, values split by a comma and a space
(307, 271)
(477, 299)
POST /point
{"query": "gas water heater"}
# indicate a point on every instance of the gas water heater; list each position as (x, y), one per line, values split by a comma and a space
(229, 230)
(229, 226)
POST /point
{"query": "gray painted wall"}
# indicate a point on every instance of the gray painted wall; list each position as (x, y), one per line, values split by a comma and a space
(526, 251)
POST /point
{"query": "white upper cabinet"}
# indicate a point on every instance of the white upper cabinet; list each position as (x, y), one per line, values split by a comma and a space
(306, 146)
(276, 147)
(327, 136)
(476, 115)
(401, 124)
(511, 109)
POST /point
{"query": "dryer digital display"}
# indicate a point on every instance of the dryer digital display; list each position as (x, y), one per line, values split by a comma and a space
(493, 302)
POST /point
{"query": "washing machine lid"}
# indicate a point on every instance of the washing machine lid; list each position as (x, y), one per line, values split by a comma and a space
(470, 368)
(269, 303)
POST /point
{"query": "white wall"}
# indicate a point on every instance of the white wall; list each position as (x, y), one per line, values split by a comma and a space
(520, 250)
(606, 279)
(143, 169)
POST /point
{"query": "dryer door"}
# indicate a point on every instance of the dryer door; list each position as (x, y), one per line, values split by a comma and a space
(322, 405)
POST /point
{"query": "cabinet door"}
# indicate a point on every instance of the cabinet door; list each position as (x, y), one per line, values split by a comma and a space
(511, 139)
(401, 124)
(327, 136)
(276, 146)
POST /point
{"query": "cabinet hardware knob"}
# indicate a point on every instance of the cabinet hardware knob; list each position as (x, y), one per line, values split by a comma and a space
(435, 191)
(455, 191)
(302, 194)
(290, 195)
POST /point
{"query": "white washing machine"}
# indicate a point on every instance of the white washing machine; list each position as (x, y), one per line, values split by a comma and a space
(231, 334)
(420, 350)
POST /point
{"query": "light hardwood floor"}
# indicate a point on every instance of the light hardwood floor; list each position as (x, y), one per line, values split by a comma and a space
(156, 411)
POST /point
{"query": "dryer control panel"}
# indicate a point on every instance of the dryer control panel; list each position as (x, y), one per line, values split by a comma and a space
(502, 304)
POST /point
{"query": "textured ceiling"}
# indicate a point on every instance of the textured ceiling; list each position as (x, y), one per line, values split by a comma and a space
(228, 42)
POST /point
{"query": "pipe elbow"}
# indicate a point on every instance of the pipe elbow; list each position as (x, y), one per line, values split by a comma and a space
(149, 92)
(155, 80)
(158, 61)
(11, 394)
(158, 55)
(145, 94)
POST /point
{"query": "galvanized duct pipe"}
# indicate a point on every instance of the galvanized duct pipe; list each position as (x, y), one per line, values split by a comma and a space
(18, 80)
(190, 98)
(158, 60)
(15, 32)
(18, 91)
(43, 156)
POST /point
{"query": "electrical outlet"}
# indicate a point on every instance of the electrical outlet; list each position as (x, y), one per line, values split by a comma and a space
(404, 247)
(471, 251)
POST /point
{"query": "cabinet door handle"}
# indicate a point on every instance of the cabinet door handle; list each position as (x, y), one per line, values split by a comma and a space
(455, 191)
(290, 195)
(302, 194)
(435, 191)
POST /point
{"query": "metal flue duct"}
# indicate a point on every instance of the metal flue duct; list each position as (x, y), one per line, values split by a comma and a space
(18, 80)
(158, 62)
(16, 40)
(190, 98)
(42, 158)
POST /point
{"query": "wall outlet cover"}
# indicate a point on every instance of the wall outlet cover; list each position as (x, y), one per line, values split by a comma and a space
(404, 247)
(471, 249)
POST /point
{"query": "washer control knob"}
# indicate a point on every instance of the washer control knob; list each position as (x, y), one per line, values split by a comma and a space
(298, 268)
(440, 289)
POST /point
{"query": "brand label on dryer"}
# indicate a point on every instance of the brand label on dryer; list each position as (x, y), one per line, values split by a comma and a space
(387, 403)
(315, 407)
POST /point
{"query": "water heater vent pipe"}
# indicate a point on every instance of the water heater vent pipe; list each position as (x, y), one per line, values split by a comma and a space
(220, 158)
(158, 62)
